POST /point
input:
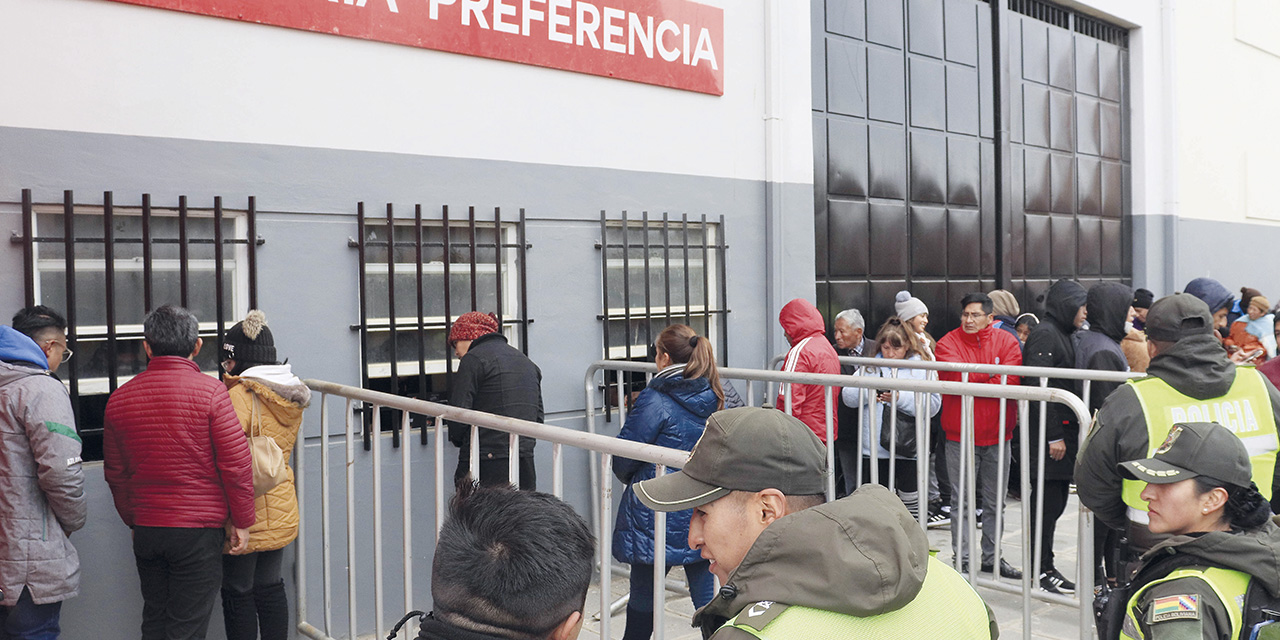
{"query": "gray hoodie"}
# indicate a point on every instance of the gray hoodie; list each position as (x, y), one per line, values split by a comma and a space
(862, 555)
(40, 477)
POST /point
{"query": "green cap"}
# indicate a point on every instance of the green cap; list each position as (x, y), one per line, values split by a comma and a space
(1195, 449)
(744, 449)
(1178, 316)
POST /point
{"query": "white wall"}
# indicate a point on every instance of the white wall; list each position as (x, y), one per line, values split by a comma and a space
(1228, 99)
(104, 67)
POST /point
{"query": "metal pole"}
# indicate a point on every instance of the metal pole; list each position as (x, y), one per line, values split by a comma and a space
(377, 522)
(326, 529)
(351, 527)
(605, 534)
(659, 566)
(831, 444)
(406, 509)
(439, 454)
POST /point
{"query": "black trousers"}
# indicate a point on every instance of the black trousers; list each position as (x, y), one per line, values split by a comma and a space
(180, 571)
(1055, 503)
(253, 596)
(494, 472)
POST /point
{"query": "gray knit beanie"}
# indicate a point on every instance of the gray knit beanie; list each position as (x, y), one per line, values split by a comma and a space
(908, 306)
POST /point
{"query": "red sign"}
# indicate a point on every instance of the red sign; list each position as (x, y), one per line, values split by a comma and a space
(671, 43)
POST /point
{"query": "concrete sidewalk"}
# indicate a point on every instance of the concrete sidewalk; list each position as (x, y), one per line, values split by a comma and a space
(1048, 621)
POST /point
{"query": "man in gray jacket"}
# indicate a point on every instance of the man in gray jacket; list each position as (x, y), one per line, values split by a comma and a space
(40, 477)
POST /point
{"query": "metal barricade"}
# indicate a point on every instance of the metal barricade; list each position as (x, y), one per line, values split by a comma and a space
(558, 437)
(967, 392)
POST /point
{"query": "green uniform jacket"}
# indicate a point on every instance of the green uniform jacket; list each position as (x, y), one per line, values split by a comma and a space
(1196, 367)
(1255, 552)
(860, 556)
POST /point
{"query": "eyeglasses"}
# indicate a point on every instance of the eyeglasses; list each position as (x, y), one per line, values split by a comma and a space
(226, 364)
(972, 316)
(66, 353)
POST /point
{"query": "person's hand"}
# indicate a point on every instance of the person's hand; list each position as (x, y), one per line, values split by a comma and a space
(1058, 449)
(885, 396)
(238, 539)
(1238, 356)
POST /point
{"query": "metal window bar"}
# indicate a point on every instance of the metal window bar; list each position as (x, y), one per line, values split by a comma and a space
(618, 247)
(412, 243)
(33, 237)
(966, 512)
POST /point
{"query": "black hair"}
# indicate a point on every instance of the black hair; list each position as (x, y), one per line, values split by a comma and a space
(171, 331)
(1245, 507)
(1028, 319)
(520, 561)
(977, 296)
(38, 322)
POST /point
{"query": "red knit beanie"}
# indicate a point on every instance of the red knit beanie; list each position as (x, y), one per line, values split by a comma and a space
(472, 325)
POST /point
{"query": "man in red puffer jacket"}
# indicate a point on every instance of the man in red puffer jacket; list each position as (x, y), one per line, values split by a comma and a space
(180, 471)
(977, 342)
(810, 353)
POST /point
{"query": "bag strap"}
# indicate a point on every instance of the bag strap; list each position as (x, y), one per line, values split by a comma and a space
(255, 418)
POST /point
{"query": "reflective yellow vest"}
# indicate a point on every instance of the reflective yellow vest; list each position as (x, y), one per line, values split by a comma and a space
(1229, 585)
(946, 607)
(1245, 410)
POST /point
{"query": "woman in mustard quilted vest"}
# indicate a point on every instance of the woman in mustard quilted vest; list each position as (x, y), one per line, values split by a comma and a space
(269, 400)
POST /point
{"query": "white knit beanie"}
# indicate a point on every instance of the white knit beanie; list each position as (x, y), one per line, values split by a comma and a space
(908, 306)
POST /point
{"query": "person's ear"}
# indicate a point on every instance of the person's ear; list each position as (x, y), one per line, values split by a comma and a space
(146, 346)
(195, 352)
(569, 629)
(772, 505)
(1214, 500)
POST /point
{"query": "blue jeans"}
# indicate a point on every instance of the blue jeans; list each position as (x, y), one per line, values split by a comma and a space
(28, 620)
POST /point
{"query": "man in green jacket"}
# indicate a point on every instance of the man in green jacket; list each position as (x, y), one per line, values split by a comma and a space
(792, 566)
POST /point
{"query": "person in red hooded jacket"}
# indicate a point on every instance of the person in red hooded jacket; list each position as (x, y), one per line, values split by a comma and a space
(810, 353)
(977, 342)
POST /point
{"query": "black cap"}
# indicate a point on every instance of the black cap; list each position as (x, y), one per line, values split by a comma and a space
(744, 449)
(1195, 449)
(1142, 298)
(1178, 316)
(250, 340)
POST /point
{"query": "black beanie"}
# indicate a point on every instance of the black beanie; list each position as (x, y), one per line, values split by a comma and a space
(1142, 299)
(250, 341)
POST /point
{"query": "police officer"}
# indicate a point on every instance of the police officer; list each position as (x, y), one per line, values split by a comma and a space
(1190, 380)
(1223, 550)
(793, 567)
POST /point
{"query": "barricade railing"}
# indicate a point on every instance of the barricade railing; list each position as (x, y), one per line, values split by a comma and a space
(966, 512)
(358, 461)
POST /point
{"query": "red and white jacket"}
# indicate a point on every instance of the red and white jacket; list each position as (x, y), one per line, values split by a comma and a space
(810, 353)
(174, 452)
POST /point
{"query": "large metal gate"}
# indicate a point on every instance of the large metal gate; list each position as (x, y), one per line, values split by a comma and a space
(962, 145)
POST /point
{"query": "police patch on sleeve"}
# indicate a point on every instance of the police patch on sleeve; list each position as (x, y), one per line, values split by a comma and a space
(1182, 607)
(758, 615)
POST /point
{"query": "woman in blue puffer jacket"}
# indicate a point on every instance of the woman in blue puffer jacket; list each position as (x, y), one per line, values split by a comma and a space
(671, 412)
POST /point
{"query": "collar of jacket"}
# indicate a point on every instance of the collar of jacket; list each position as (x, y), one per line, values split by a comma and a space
(172, 363)
(488, 337)
(982, 336)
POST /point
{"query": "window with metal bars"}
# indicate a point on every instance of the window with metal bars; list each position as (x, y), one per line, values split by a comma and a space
(433, 270)
(106, 266)
(659, 271)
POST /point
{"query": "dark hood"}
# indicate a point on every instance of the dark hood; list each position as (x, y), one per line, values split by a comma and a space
(1064, 299)
(862, 555)
(1255, 552)
(1108, 306)
(800, 320)
(695, 394)
(1195, 366)
(1211, 292)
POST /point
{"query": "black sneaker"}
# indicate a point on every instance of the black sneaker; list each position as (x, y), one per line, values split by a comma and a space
(1006, 570)
(1054, 582)
(939, 515)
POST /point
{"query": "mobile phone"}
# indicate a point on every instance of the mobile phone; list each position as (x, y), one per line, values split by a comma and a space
(1252, 356)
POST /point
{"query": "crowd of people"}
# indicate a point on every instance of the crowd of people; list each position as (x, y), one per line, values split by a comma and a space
(1178, 467)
